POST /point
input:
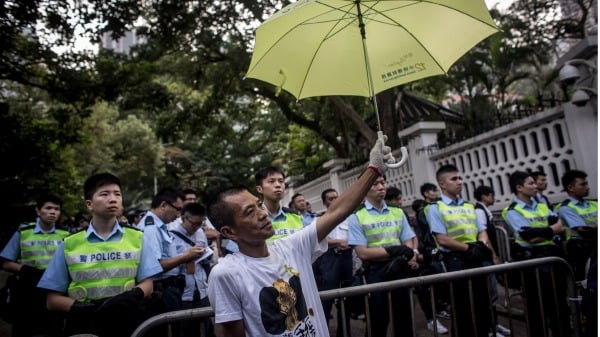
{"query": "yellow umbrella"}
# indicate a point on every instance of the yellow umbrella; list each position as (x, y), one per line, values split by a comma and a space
(360, 47)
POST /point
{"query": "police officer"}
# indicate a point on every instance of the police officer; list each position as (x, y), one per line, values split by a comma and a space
(270, 183)
(100, 276)
(382, 239)
(465, 244)
(535, 226)
(27, 255)
(335, 266)
(580, 215)
(166, 206)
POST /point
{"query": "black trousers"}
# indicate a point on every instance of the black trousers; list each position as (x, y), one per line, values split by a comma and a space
(472, 320)
(379, 308)
(550, 310)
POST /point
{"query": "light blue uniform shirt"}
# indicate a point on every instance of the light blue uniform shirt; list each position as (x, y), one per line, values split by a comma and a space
(569, 216)
(233, 247)
(12, 250)
(199, 279)
(56, 277)
(516, 221)
(159, 242)
(356, 235)
(437, 225)
(307, 218)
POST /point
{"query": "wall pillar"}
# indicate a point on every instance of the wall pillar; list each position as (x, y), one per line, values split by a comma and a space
(422, 141)
(335, 166)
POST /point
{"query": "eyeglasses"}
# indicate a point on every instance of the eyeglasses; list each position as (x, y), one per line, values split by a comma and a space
(196, 224)
(178, 209)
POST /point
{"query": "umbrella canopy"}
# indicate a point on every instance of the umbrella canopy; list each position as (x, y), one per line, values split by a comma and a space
(360, 48)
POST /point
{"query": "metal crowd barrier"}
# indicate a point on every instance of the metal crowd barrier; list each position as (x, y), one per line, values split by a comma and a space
(363, 290)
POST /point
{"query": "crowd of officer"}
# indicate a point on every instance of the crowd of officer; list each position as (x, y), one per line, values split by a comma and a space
(112, 271)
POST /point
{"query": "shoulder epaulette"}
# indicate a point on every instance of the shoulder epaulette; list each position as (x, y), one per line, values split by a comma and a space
(75, 233)
(361, 206)
(512, 205)
(289, 210)
(565, 202)
(394, 205)
(130, 227)
(149, 220)
(27, 226)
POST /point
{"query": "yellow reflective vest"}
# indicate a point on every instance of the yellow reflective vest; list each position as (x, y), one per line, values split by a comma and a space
(588, 214)
(381, 230)
(102, 269)
(460, 221)
(537, 218)
(283, 228)
(37, 249)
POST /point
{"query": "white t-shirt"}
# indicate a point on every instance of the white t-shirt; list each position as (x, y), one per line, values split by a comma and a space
(258, 290)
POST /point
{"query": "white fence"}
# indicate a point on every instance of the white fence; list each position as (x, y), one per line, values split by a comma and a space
(544, 142)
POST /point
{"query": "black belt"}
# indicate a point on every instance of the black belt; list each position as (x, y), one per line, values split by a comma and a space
(173, 281)
(338, 252)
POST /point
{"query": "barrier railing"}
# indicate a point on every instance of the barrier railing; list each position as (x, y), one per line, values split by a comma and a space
(364, 290)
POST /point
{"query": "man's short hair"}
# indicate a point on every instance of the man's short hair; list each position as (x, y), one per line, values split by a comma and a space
(295, 196)
(93, 183)
(265, 172)
(167, 194)
(193, 209)
(48, 197)
(220, 212)
(516, 179)
(537, 174)
(569, 177)
(448, 168)
(392, 193)
(426, 187)
(481, 191)
(325, 192)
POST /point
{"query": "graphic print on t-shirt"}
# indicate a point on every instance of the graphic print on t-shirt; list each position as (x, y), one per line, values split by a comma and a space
(283, 309)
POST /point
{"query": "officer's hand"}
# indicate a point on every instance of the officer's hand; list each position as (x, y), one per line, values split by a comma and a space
(122, 303)
(589, 233)
(30, 275)
(194, 252)
(530, 233)
(479, 252)
(79, 307)
(400, 251)
(380, 155)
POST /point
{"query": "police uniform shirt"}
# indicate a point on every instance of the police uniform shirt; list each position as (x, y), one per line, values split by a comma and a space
(159, 242)
(198, 280)
(569, 216)
(437, 225)
(280, 216)
(56, 277)
(356, 235)
(516, 221)
(307, 218)
(12, 250)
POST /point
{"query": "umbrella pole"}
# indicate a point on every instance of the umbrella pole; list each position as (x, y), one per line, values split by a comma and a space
(363, 34)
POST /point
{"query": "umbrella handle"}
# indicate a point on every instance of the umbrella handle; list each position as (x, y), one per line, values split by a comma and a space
(403, 151)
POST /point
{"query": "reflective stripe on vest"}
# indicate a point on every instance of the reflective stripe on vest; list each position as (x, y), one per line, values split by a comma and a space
(381, 230)
(102, 269)
(460, 221)
(287, 227)
(37, 249)
(589, 216)
(537, 218)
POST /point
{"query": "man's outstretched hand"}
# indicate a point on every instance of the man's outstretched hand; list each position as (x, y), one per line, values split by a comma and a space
(380, 155)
